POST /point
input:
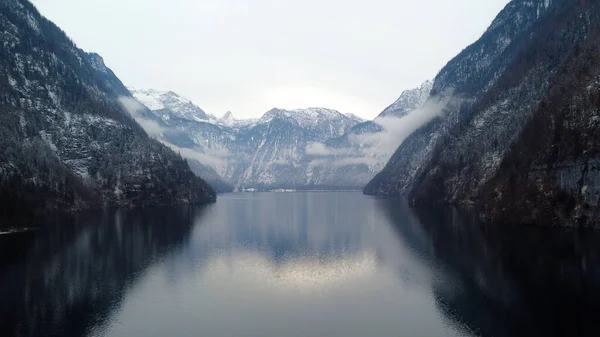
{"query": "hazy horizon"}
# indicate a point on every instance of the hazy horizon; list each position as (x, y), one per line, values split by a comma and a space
(248, 57)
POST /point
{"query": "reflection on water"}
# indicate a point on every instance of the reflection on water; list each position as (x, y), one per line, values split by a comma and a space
(296, 264)
(518, 281)
(506, 281)
(69, 277)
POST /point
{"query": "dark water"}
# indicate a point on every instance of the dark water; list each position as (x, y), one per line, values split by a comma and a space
(296, 264)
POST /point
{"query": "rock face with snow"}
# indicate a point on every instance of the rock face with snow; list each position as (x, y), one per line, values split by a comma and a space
(282, 157)
(167, 104)
(321, 123)
(65, 140)
(314, 148)
(408, 101)
(265, 153)
(517, 133)
(364, 149)
(229, 120)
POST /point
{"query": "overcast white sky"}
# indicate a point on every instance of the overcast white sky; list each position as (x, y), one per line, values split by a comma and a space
(248, 56)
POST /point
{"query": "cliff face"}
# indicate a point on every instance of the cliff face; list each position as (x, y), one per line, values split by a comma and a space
(66, 142)
(551, 175)
(523, 144)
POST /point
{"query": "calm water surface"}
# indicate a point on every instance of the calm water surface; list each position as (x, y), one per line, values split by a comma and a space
(296, 264)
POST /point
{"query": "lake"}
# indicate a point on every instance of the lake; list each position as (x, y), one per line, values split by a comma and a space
(296, 264)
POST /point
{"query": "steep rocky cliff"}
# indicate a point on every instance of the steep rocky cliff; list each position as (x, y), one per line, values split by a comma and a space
(551, 175)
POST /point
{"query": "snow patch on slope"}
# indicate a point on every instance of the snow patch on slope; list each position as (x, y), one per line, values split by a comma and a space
(149, 98)
(177, 106)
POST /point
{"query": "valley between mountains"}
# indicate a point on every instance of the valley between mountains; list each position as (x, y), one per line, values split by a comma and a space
(509, 125)
(314, 148)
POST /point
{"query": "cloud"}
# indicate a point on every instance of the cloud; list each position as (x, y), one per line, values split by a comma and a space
(216, 160)
(397, 129)
(205, 159)
(134, 108)
(319, 149)
(341, 162)
(369, 161)
(151, 127)
(328, 156)
(131, 105)
(376, 148)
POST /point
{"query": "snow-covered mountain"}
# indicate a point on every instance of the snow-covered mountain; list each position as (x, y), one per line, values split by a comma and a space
(300, 148)
(265, 153)
(67, 141)
(355, 118)
(229, 120)
(322, 123)
(170, 105)
(364, 149)
(408, 101)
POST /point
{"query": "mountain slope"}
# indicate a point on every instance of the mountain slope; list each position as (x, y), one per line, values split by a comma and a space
(408, 101)
(363, 150)
(211, 177)
(303, 148)
(460, 84)
(473, 150)
(321, 123)
(168, 104)
(551, 173)
(524, 144)
(66, 142)
(229, 120)
(265, 153)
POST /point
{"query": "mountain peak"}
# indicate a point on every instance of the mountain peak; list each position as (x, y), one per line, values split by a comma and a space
(229, 120)
(303, 115)
(427, 85)
(408, 101)
(330, 123)
(355, 117)
(178, 106)
(228, 116)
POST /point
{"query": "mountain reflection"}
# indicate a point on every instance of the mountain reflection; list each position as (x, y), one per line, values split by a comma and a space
(75, 270)
(286, 264)
(299, 239)
(505, 281)
(297, 264)
(287, 226)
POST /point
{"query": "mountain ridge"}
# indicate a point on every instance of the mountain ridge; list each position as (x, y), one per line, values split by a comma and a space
(282, 148)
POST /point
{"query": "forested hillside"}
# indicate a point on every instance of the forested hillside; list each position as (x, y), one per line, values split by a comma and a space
(66, 143)
(520, 134)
